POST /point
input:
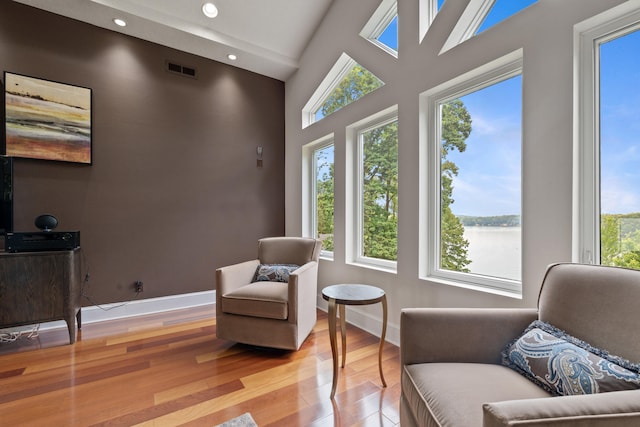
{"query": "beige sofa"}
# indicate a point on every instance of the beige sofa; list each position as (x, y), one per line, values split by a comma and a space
(270, 313)
(452, 372)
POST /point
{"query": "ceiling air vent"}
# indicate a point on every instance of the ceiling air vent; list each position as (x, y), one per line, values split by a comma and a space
(183, 70)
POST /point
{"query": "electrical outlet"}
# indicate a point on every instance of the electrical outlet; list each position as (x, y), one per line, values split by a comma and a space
(138, 286)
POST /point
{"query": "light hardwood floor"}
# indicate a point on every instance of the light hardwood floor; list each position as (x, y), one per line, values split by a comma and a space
(170, 369)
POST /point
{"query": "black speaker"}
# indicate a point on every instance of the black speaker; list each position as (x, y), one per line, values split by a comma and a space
(46, 222)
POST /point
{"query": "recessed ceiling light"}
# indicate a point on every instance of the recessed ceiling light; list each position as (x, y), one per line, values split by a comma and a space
(120, 22)
(232, 57)
(210, 10)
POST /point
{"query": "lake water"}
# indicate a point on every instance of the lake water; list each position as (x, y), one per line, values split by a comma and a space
(495, 251)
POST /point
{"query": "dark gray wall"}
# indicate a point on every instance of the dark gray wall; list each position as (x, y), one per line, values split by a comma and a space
(174, 191)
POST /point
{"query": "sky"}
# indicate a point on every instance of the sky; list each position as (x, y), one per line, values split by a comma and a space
(488, 180)
(501, 10)
(620, 124)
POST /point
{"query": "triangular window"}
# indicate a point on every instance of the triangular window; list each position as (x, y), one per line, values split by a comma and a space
(481, 15)
(346, 82)
(501, 10)
(389, 36)
(382, 28)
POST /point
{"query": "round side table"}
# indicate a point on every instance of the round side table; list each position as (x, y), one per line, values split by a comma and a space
(351, 294)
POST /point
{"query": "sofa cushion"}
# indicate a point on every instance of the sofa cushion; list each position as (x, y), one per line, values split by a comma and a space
(565, 365)
(258, 300)
(447, 394)
(274, 272)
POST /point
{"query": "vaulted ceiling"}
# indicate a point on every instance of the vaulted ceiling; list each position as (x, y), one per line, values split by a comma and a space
(267, 36)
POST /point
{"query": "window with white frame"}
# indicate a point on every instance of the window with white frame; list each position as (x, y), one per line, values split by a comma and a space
(480, 15)
(608, 143)
(319, 156)
(375, 195)
(471, 197)
(346, 82)
(382, 28)
(323, 170)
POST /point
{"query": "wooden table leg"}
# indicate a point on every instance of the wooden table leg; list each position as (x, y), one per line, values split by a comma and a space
(343, 332)
(334, 344)
(382, 337)
(71, 326)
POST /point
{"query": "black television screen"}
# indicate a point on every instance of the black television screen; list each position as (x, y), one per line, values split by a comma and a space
(6, 189)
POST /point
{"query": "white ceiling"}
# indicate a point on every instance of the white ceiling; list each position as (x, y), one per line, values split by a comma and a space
(268, 36)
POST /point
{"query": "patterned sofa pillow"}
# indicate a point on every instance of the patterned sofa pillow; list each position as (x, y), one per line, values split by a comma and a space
(274, 272)
(565, 365)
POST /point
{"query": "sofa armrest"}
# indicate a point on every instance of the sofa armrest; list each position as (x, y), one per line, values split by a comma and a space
(303, 289)
(613, 409)
(470, 335)
(234, 276)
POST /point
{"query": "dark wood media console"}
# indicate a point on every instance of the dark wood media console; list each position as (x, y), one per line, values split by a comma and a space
(38, 287)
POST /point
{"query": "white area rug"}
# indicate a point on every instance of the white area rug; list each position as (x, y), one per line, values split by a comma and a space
(244, 420)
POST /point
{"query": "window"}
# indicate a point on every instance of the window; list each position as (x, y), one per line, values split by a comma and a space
(323, 168)
(346, 82)
(608, 143)
(382, 28)
(472, 210)
(480, 15)
(375, 210)
(428, 11)
(501, 10)
(320, 178)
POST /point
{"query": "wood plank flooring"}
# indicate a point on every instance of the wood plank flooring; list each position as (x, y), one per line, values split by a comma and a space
(170, 369)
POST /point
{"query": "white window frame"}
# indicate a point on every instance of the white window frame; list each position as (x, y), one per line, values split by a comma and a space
(428, 9)
(309, 197)
(588, 36)
(430, 174)
(379, 21)
(469, 22)
(334, 77)
(340, 69)
(355, 208)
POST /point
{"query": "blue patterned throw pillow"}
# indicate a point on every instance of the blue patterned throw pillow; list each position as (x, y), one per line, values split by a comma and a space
(274, 272)
(564, 365)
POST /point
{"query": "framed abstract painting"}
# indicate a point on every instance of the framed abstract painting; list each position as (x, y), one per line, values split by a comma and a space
(47, 120)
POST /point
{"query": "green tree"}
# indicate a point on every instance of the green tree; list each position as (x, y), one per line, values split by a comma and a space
(620, 240)
(456, 128)
(357, 83)
(325, 201)
(380, 172)
(380, 192)
(380, 177)
(609, 239)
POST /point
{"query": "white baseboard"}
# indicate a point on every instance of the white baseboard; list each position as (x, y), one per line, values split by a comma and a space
(141, 307)
(366, 322)
(93, 314)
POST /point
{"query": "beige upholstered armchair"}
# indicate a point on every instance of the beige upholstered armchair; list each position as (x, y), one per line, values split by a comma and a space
(270, 301)
(493, 367)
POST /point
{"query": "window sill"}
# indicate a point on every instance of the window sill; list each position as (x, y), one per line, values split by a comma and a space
(509, 293)
(327, 256)
(374, 266)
